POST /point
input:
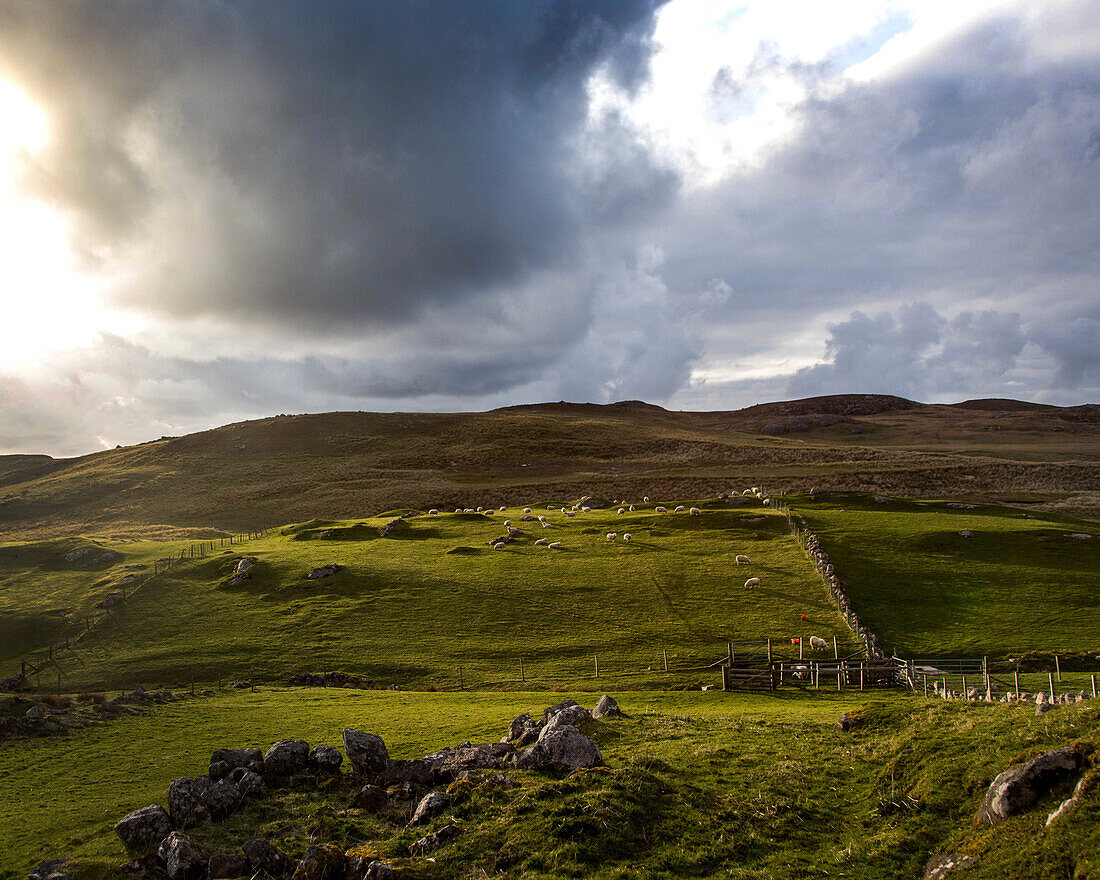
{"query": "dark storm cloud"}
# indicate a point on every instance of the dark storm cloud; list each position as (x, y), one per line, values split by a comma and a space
(333, 164)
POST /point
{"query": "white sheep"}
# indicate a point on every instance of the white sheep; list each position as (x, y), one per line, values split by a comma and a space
(542, 541)
(498, 546)
(747, 492)
(507, 523)
(645, 500)
(502, 508)
(695, 511)
(490, 512)
(622, 510)
(555, 545)
(660, 510)
(527, 510)
(585, 509)
(569, 513)
(433, 512)
(458, 510)
(679, 508)
(631, 508)
(514, 532)
(752, 582)
(818, 644)
(627, 537)
(547, 525)
(611, 536)
(480, 509)
(742, 559)
(468, 510)
(542, 517)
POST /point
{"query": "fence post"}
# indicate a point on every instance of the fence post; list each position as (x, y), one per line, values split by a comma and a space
(664, 657)
(964, 686)
(1058, 667)
(597, 659)
(1050, 676)
(729, 654)
(725, 670)
(1094, 685)
(801, 642)
(461, 680)
(1016, 677)
(862, 667)
(769, 651)
(522, 677)
(836, 652)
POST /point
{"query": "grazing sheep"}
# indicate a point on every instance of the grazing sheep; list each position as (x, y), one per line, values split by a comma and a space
(752, 582)
(585, 509)
(498, 546)
(747, 492)
(660, 510)
(695, 511)
(547, 525)
(468, 510)
(502, 508)
(645, 500)
(542, 518)
(507, 522)
(513, 532)
(627, 537)
(622, 510)
(742, 558)
(549, 506)
(569, 513)
(818, 644)
(542, 541)
(631, 508)
(433, 512)
(527, 518)
(679, 508)
(555, 545)
(527, 510)
(458, 510)
(611, 536)
(480, 509)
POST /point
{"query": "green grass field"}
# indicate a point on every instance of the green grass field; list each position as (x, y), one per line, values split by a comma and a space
(1017, 584)
(414, 608)
(701, 785)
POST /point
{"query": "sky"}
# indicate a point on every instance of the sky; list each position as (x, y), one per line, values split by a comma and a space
(222, 210)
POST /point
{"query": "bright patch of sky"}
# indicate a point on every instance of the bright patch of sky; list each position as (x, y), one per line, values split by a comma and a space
(728, 76)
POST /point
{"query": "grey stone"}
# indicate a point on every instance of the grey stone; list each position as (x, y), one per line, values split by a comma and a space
(249, 784)
(1069, 804)
(572, 716)
(366, 752)
(142, 830)
(183, 858)
(324, 571)
(418, 772)
(941, 865)
(430, 806)
(227, 866)
(286, 757)
(325, 759)
(230, 759)
(322, 861)
(267, 858)
(606, 707)
(1015, 790)
(565, 749)
(434, 841)
(186, 805)
(51, 868)
(371, 798)
(551, 711)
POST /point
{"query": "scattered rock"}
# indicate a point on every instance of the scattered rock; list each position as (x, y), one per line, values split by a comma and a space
(366, 752)
(434, 841)
(51, 869)
(224, 866)
(364, 865)
(182, 858)
(565, 749)
(550, 711)
(250, 785)
(245, 564)
(323, 861)
(966, 533)
(35, 713)
(137, 868)
(845, 724)
(481, 757)
(326, 760)
(941, 865)
(430, 806)
(324, 571)
(371, 798)
(1080, 536)
(1020, 786)
(142, 830)
(186, 805)
(286, 757)
(416, 772)
(223, 761)
(267, 858)
(606, 707)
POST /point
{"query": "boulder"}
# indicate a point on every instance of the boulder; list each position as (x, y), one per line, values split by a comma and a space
(844, 724)
(606, 707)
(267, 858)
(366, 752)
(481, 757)
(434, 841)
(286, 757)
(222, 798)
(137, 868)
(322, 861)
(550, 711)
(325, 760)
(182, 858)
(363, 865)
(565, 749)
(186, 804)
(371, 798)
(576, 717)
(224, 760)
(249, 784)
(1015, 790)
(227, 866)
(142, 830)
(519, 725)
(1069, 804)
(35, 713)
(51, 869)
(397, 773)
(430, 806)
(245, 564)
(324, 571)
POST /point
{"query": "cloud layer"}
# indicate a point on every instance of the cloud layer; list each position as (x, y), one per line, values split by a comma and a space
(423, 206)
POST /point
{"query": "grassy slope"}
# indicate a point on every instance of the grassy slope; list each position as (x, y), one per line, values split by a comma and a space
(702, 785)
(248, 475)
(1018, 584)
(406, 610)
